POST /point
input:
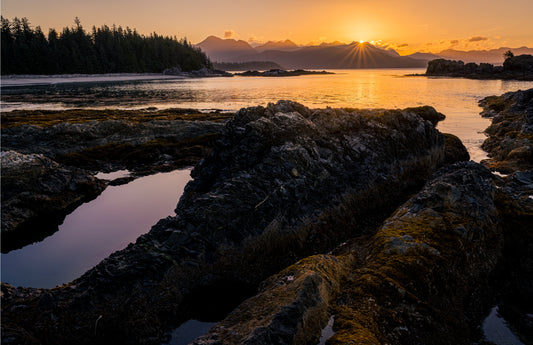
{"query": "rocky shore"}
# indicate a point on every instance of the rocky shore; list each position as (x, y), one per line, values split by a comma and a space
(283, 182)
(37, 192)
(49, 159)
(510, 136)
(517, 67)
(301, 216)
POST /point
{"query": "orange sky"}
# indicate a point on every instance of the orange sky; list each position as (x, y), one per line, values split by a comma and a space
(408, 26)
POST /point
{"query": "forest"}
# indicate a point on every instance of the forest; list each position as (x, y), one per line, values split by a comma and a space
(27, 50)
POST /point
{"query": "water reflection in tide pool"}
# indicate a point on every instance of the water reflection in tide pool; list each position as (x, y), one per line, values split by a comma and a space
(94, 230)
(189, 331)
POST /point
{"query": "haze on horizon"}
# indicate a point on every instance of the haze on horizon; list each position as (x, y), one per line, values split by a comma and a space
(409, 26)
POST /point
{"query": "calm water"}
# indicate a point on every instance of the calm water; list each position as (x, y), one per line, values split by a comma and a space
(378, 88)
(94, 230)
(497, 330)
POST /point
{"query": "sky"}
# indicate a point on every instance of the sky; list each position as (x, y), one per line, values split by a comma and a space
(407, 26)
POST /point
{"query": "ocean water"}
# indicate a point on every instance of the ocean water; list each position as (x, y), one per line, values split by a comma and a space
(457, 98)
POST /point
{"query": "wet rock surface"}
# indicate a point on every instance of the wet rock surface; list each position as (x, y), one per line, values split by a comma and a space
(282, 183)
(37, 190)
(510, 141)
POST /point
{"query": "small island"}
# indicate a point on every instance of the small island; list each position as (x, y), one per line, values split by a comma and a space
(514, 67)
(280, 73)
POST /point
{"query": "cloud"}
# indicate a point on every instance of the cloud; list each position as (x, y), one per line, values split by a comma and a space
(403, 45)
(477, 39)
(454, 42)
(229, 34)
(255, 41)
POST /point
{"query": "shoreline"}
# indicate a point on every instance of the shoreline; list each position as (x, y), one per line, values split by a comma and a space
(22, 80)
(15, 80)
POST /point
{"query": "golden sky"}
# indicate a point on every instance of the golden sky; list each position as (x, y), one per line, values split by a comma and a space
(407, 26)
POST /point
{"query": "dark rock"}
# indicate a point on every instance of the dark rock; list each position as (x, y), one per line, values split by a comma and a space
(518, 67)
(66, 138)
(510, 141)
(290, 308)
(280, 73)
(454, 149)
(173, 71)
(423, 278)
(443, 67)
(519, 64)
(282, 183)
(37, 190)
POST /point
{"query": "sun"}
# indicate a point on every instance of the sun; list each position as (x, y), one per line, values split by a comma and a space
(361, 41)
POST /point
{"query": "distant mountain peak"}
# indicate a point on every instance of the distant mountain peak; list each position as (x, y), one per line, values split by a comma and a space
(225, 50)
(278, 45)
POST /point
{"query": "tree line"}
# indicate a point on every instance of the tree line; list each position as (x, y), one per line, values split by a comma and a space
(26, 50)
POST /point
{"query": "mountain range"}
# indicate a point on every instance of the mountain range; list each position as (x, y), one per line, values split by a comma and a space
(289, 55)
(339, 55)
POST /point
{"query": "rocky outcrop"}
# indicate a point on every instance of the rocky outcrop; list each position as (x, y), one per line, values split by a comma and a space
(37, 190)
(510, 141)
(282, 183)
(47, 157)
(66, 138)
(107, 145)
(518, 67)
(425, 277)
(280, 73)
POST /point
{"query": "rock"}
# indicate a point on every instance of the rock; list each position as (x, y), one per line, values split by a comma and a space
(425, 265)
(280, 73)
(423, 278)
(290, 308)
(108, 145)
(443, 67)
(519, 64)
(173, 71)
(510, 141)
(518, 67)
(454, 149)
(66, 138)
(282, 183)
(37, 190)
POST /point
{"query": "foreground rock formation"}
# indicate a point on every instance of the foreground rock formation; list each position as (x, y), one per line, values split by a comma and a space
(517, 67)
(36, 191)
(510, 141)
(423, 278)
(282, 183)
(49, 159)
(100, 141)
